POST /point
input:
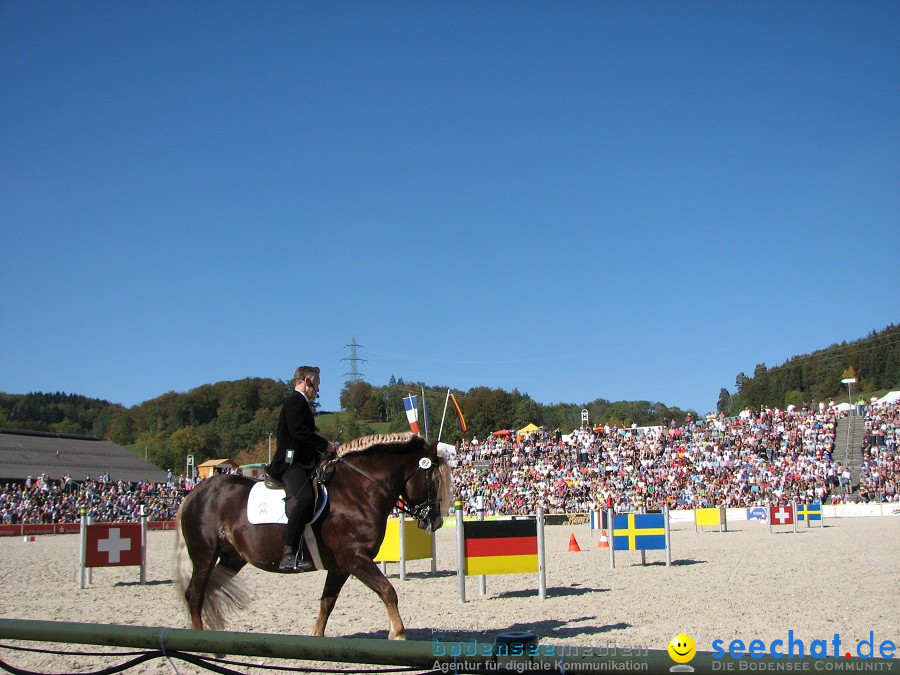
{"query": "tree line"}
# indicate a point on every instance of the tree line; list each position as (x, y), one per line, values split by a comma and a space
(212, 421)
(874, 361)
(235, 419)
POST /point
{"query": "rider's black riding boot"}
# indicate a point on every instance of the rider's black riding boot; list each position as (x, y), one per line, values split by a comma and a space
(291, 561)
(288, 557)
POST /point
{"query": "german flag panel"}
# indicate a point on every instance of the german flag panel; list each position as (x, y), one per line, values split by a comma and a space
(500, 547)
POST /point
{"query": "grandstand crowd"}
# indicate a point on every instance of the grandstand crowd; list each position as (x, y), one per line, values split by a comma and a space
(769, 455)
(43, 500)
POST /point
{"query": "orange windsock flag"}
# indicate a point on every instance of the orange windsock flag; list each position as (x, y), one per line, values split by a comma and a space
(462, 420)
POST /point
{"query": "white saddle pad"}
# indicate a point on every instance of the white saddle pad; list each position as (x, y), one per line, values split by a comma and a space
(265, 505)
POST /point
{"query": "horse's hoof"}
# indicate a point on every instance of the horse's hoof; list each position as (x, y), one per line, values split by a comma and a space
(399, 636)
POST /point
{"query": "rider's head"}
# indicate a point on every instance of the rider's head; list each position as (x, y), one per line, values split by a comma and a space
(306, 380)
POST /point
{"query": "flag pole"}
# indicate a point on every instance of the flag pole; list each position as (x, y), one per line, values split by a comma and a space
(446, 401)
(425, 412)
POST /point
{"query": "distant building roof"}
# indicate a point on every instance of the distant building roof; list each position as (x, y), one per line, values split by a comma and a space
(218, 462)
(31, 453)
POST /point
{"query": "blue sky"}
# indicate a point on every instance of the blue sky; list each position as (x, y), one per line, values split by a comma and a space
(626, 200)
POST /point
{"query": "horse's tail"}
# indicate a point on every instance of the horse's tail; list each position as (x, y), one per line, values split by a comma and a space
(184, 568)
(223, 590)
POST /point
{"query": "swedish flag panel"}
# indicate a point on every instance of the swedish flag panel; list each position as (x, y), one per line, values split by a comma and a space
(810, 511)
(639, 531)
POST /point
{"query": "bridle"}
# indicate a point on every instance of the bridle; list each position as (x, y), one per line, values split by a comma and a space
(424, 511)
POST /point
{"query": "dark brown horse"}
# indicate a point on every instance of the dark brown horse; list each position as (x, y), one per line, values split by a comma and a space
(215, 539)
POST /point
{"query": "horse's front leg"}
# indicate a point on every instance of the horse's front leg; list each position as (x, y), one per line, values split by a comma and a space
(367, 572)
(334, 582)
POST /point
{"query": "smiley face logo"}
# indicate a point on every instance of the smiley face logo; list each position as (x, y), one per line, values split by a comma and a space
(682, 648)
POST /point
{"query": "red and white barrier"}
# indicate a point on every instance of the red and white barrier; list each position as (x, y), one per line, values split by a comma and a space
(111, 545)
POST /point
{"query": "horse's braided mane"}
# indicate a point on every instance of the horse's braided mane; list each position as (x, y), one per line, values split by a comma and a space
(362, 444)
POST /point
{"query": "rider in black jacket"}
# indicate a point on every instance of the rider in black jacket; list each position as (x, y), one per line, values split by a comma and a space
(297, 453)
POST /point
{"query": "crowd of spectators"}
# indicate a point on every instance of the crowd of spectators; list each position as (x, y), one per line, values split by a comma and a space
(42, 500)
(766, 456)
(879, 477)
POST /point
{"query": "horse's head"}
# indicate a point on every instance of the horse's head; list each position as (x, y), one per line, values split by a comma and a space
(407, 464)
(426, 492)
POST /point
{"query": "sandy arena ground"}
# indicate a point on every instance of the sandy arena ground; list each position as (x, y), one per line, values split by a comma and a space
(743, 584)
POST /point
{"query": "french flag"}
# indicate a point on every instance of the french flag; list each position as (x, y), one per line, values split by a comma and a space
(598, 520)
(411, 403)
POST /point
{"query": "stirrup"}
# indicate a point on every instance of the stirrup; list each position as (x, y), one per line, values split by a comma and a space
(301, 565)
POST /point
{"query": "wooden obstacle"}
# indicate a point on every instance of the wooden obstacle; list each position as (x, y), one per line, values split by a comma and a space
(404, 540)
(793, 513)
(639, 532)
(111, 545)
(710, 517)
(499, 547)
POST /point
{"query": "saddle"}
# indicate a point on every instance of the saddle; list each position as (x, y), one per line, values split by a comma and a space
(320, 478)
(273, 483)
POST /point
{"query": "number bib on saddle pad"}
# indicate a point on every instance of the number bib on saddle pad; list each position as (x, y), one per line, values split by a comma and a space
(265, 505)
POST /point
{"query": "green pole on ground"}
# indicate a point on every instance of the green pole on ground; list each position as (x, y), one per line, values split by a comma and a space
(423, 654)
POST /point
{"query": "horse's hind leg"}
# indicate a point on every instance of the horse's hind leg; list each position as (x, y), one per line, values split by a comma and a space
(196, 590)
(368, 573)
(334, 582)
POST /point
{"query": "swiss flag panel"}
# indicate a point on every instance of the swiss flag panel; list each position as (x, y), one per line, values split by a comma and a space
(781, 515)
(112, 544)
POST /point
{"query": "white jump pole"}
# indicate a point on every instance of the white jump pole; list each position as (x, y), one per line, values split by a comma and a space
(542, 558)
(479, 514)
(460, 553)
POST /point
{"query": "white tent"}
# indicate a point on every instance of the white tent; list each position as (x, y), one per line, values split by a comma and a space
(889, 397)
(447, 448)
(844, 407)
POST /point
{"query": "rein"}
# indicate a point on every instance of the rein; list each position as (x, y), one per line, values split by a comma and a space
(419, 511)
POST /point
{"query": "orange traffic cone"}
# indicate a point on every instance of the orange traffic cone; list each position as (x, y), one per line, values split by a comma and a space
(604, 542)
(573, 545)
